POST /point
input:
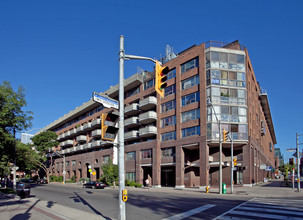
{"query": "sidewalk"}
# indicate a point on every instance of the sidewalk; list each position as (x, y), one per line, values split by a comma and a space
(11, 207)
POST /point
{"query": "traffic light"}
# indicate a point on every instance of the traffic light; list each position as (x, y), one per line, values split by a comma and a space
(225, 135)
(161, 72)
(291, 161)
(108, 126)
(235, 162)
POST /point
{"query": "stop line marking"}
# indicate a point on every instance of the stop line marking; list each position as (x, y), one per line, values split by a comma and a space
(190, 212)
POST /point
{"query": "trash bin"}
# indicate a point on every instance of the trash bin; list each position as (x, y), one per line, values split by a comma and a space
(23, 190)
(223, 188)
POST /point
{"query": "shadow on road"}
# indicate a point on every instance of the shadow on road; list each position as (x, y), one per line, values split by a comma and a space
(84, 202)
(25, 215)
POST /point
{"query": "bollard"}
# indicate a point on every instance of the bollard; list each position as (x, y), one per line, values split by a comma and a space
(223, 188)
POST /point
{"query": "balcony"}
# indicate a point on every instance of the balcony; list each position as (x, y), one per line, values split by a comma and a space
(148, 103)
(96, 144)
(96, 123)
(61, 136)
(96, 133)
(131, 135)
(67, 134)
(62, 144)
(68, 143)
(148, 117)
(148, 131)
(131, 122)
(73, 149)
(132, 109)
(81, 139)
(80, 147)
(88, 145)
(73, 132)
(80, 129)
(87, 126)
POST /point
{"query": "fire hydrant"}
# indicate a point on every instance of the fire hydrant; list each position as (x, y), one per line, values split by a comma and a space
(207, 189)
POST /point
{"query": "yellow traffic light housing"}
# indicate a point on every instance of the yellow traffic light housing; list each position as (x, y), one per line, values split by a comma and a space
(108, 128)
(160, 84)
(225, 135)
(235, 162)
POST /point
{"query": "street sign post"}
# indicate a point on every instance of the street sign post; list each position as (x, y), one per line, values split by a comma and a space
(105, 101)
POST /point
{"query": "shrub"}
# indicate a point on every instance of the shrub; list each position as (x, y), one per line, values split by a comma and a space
(84, 179)
(73, 179)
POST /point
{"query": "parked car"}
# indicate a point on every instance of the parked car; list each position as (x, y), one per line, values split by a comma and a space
(94, 185)
(24, 180)
(42, 181)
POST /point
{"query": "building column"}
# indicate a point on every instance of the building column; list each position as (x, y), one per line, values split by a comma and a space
(247, 173)
(179, 167)
(156, 165)
(204, 163)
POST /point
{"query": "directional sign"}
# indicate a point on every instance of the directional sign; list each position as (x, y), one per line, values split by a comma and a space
(105, 101)
(300, 154)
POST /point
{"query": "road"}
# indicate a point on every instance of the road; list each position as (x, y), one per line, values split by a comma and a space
(154, 204)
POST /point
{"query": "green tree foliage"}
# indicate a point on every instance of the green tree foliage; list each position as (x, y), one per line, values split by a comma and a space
(12, 119)
(110, 173)
(45, 141)
(26, 158)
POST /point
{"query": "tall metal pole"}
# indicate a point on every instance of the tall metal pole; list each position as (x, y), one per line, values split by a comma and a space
(121, 130)
(298, 161)
(64, 171)
(232, 166)
(220, 158)
(14, 167)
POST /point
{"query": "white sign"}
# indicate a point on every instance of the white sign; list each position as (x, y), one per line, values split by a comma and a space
(262, 166)
(105, 101)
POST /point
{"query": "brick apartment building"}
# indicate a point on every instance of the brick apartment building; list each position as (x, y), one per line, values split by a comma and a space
(174, 141)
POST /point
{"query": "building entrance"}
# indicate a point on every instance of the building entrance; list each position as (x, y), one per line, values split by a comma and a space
(147, 174)
(168, 176)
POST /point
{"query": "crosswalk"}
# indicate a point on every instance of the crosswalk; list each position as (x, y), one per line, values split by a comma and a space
(266, 208)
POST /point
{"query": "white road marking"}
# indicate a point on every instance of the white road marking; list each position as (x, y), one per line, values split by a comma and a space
(189, 213)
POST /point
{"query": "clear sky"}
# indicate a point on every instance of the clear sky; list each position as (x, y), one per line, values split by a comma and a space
(62, 51)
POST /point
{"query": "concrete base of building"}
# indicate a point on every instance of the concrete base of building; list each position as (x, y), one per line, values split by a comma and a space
(250, 185)
(202, 187)
(180, 187)
(156, 186)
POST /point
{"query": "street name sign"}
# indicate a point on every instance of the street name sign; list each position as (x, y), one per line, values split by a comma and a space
(105, 101)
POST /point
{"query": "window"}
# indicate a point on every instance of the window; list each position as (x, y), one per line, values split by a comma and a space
(132, 92)
(131, 155)
(187, 132)
(191, 98)
(57, 165)
(168, 136)
(171, 120)
(190, 82)
(149, 84)
(130, 176)
(168, 152)
(67, 163)
(73, 163)
(191, 115)
(145, 154)
(170, 90)
(167, 106)
(105, 159)
(190, 65)
(61, 164)
(171, 74)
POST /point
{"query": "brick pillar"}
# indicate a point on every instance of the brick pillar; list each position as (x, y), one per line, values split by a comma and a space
(156, 165)
(247, 173)
(204, 163)
(179, 167)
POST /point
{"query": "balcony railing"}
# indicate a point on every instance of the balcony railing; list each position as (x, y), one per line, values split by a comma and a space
(96, 122)
(131, 122)
(68, 143)
(148, 117)
(131, 135)
(148, 131)
(96, 133)
(81, 138)
(132, 109)
(148, 103)
(87, 126)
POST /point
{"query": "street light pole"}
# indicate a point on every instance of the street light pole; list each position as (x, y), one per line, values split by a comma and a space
(298, 161)
(220, 158)
(232, 165)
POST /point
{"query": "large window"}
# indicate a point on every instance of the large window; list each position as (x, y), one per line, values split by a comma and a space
(230, 96)
(145, 154)
(171, 74)
(191, 98)
(149, 84)
(168, 152)
(170, 90)
(171, 120)
(105, 159)
(131, 176)
(132, 92)
(167, 106)
(187, 132)
(225, 61)
(225, 78)
(191, 115)
(131, 155)
(190, 82)
(190, 65)
(168, 136)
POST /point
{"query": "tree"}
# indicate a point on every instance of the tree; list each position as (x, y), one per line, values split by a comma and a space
(110, 173)
(26, 158)
(12, 119)
(44, 142)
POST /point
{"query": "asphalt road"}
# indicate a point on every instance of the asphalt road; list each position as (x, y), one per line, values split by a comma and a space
(142, 204)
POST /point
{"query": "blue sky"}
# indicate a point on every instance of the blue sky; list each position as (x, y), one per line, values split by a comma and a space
(62, 51)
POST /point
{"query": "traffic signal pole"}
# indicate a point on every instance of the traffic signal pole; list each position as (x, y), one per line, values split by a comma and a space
(232, 166)
(122, 57)
(298, 161)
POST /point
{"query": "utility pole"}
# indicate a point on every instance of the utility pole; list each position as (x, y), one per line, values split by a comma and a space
(298, 161)
(220, 158)
(232, 166)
